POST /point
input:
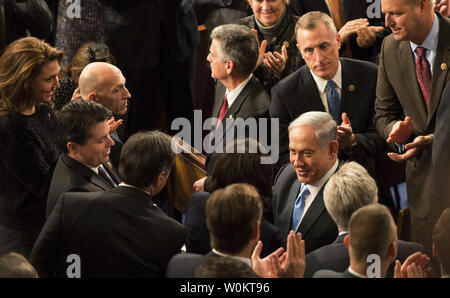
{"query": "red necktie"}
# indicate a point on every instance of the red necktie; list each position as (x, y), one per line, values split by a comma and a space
(223, 111)
(423, 74)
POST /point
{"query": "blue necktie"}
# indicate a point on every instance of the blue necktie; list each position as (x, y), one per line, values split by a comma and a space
(334, 104)
(299, 206)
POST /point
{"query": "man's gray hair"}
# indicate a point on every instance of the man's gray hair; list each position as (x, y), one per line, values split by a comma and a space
(347, 190)
(325, 126)
(238, 44)
(311, 20)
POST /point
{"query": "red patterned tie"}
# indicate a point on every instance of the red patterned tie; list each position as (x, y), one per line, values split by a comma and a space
(223, 111)
(423, 74)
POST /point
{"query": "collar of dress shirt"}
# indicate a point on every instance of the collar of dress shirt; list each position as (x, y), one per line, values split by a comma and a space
(315, 188)
(343, 233)
(127, 185)
(355, 273)
(233, 94)
(245, 260)
(430, 43)
(322, 83)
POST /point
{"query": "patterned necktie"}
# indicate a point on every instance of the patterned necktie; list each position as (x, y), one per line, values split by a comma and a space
(102, 172)
(299, 207)
(423, 72)
(223, 111)
(334, 104)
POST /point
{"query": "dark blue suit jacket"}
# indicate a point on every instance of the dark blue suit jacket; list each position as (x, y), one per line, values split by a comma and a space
(298, 94)
(198, 240)
(317, 226)
(335, 256)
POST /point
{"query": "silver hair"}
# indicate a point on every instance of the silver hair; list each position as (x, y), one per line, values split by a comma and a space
(347, 190)
(238, 44)
(323, 123)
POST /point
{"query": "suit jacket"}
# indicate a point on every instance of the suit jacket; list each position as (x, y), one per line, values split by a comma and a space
(335, 256)
(399, 95)
(127, 22)
(317, 226)
(198, 239)
(351, 10)
(184, 265)
(334, 274)
(252, 102)
(118, 233)
(298, 94)
(441, 158)
(72, 176)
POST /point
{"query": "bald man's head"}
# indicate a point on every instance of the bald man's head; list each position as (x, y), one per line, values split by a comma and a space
(104, 83)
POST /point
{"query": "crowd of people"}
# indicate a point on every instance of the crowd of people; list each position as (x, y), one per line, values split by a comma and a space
(86, 148)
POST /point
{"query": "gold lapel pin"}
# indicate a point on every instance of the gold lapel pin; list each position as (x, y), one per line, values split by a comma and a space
(109, 164)
(286, 43)
(351, 87)
(443, 66)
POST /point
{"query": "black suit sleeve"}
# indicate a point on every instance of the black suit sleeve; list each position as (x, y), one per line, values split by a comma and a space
(45, 254)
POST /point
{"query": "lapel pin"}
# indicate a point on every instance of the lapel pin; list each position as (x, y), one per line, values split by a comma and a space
(108, 163)
(286, 44)
(443, 66)
(351, 87)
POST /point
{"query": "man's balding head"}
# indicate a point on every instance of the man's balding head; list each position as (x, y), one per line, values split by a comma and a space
(104, 83)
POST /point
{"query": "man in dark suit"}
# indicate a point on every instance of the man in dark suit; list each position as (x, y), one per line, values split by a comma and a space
(349, 189)
(118, 233)
(372, 247)
(324, 78)
(155, 45)
(298, 192)
(104, 83)
(83, 136)
(360, 24)
(237, 236)
(412, 74)
(440, 171)
(239, 95)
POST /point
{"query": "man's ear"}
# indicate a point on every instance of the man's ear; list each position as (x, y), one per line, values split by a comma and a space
(333, 148)
(256, 231)
(338, 40)
(93, 97)
(347, 241)
(230, 67)
(71, 147)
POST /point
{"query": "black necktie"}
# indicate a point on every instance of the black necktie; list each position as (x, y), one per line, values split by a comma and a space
(102, 172)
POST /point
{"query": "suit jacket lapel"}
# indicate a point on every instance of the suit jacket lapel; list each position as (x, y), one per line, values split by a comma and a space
(348, 78)
(219, 96)
(312, 214)
(439, 74)
(86, 172)
(310, 95)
